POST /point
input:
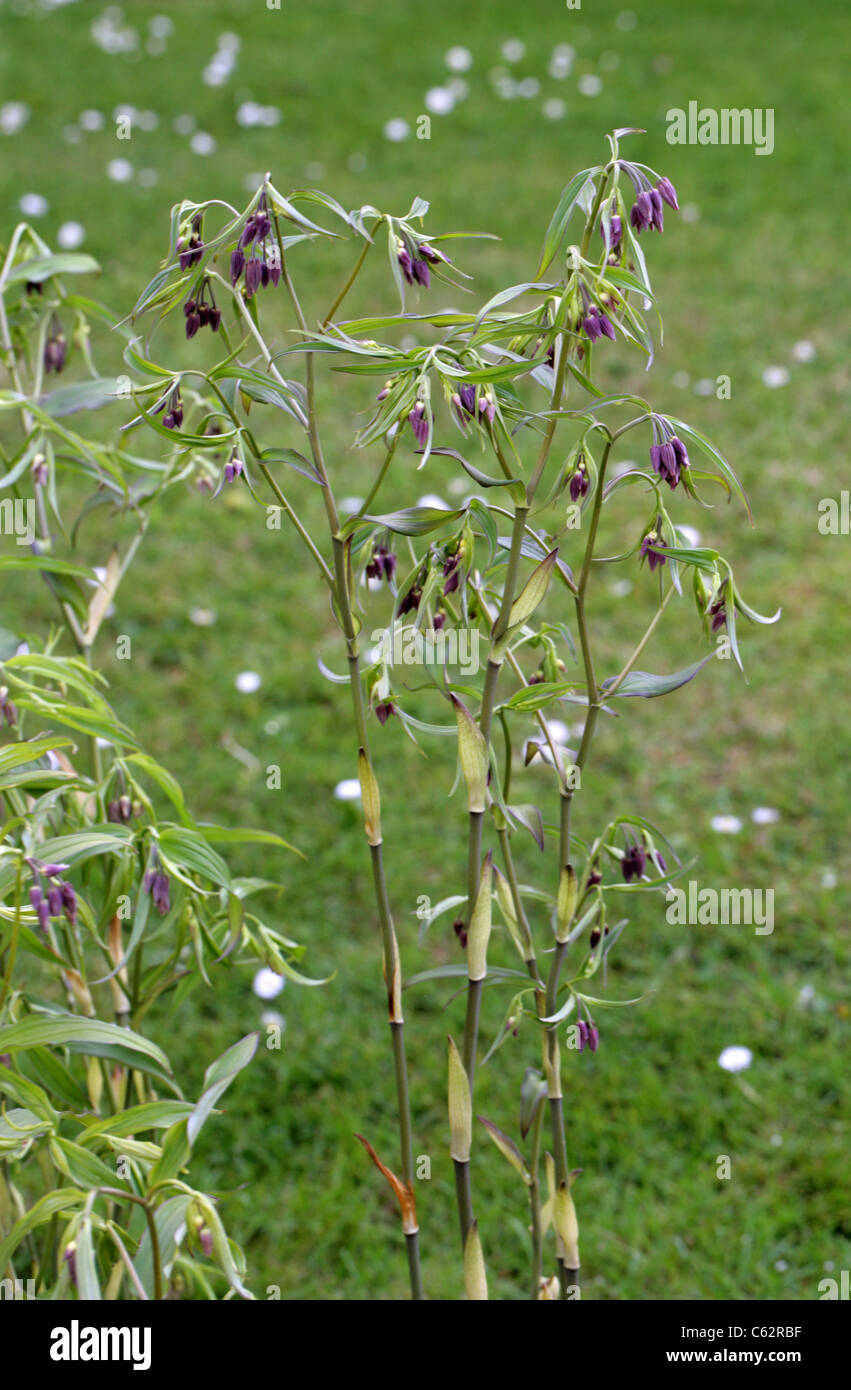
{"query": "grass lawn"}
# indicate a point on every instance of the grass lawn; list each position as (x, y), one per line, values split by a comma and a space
(745, 273)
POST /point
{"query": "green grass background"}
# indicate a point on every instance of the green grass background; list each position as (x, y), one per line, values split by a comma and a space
(759, 269)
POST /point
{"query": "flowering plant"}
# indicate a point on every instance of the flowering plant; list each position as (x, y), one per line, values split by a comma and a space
(112, 895)
(514, 385)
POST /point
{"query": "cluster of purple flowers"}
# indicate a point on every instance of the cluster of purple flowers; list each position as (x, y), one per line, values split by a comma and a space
(191, 249)
(579, 482)
(633, 862)
(50, 895)
(465, 407)
(411, 601)
(155, 882)
(647, 210)
(669, 460)
(416, 268)
(233, 468)
(173, 418)
(597, 324)
(7, 709)
(588, 1034)
(200, 314)
(419, 422)
(382, 565)
(258, 267)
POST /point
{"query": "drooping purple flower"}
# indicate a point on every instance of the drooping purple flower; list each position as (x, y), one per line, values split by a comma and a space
(430, 253)
(7, 709)
(384, 711)
(160, 894)
(593, 1037)
(55, 350)
(718, 615)
(633, 862)
(579, 483)
(405, 263)
(452, 572)
(421, 273)
(668, 193)
(54, 901)
(680, 450)
(657, 220)
(615, 232)
(641, 213)
(468, 398)
(460, 931)
(411, 601)
(487, 406)
(419, 423)
(69, 902)
(253, 275)
(193, 323)
(650, 547)
(582, 1029)
(237, 263)
(36, 897)
(591, 326)
(668, 458)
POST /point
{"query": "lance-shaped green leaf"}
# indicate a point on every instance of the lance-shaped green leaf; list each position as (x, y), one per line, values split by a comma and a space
(217, 1078)
(475, 1278)
(479, 930)
(567, 1226)
(40, 268)
(532, 1092)
(81, 1166)
(533, 591)
(507, 1148)
(558, 224)
(90, 1036)
(371, 799)
(648, 686)
(60, 1200)
(506, 907)
(568, 889)
(473, 755)
(88, 1285)
(460, 1108)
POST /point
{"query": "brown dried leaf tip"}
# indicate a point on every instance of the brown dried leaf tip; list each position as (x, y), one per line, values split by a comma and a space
(404, 1194)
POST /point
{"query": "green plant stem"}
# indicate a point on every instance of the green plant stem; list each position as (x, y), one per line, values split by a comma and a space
(343, 600)
(471, 1029)
(474, 839)
(354, 275)
(535, 1202)
(631, 660)
(464, 1198)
